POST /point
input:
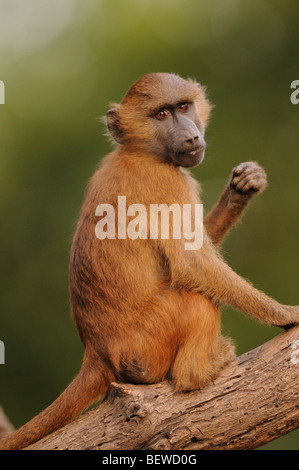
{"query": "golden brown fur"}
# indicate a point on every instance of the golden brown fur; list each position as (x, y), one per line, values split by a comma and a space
(149, 310)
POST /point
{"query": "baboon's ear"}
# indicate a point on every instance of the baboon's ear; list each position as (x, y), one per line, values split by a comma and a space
(114, 127)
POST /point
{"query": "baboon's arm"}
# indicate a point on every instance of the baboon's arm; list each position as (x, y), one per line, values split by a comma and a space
(247, 180)
(205, 272)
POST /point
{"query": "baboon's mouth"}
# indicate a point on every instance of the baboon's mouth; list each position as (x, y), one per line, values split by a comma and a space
(190, 159)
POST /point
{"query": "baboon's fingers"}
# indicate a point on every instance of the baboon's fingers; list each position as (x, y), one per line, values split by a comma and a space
(248, 177)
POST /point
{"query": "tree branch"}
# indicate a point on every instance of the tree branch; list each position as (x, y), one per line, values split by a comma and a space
(252, 402)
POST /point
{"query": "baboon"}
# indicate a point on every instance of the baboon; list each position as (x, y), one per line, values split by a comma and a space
(148, 310)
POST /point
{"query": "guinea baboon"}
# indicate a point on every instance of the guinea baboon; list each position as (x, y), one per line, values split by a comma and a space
(147, 309)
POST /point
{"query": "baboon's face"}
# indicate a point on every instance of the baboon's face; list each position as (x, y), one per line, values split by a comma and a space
(164, 115)
(180, 134)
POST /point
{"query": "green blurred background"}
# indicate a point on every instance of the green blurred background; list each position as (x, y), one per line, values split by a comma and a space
(62, 62)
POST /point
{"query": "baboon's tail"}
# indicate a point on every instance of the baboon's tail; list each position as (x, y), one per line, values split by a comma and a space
(86, 387)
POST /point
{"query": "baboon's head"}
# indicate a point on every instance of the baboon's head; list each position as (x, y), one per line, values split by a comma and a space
(164, 115)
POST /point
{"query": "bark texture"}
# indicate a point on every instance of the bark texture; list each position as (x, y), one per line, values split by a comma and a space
(252, 402)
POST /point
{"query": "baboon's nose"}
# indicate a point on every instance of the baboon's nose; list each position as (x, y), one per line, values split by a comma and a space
(193, 140)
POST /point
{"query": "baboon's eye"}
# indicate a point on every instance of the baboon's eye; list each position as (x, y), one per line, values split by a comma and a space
(183, 107)
(162, 114)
